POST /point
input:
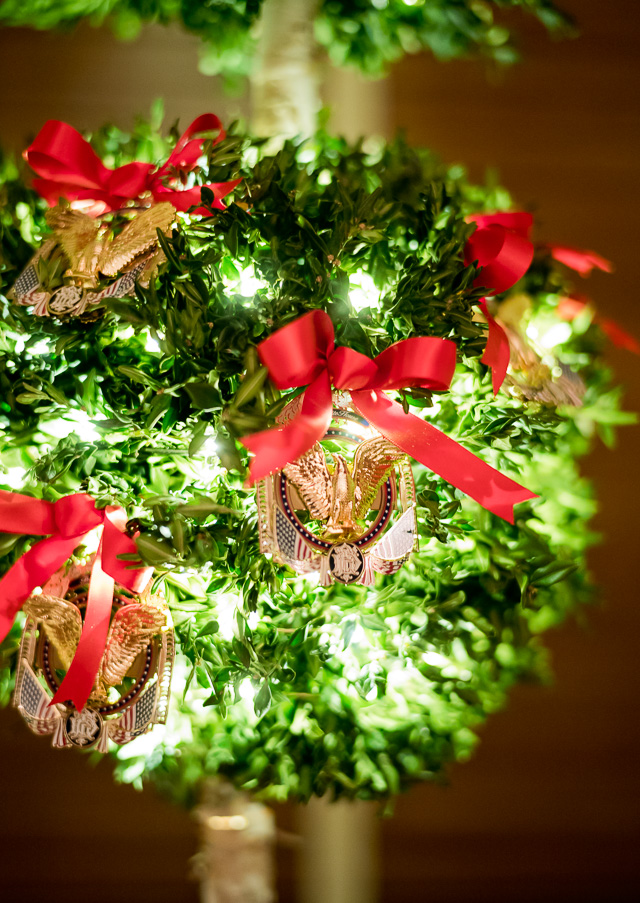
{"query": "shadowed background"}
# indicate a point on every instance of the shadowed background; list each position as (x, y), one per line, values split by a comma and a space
(548, 808)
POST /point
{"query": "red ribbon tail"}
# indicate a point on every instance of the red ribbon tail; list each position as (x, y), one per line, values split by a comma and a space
(188, 149)
(571, 307)
(496, 353)
(115, 542)
(191, 197)
(81, 676)
(502, 256)
(275, 448)
(31, 570)
(619, 336)
(444, 456)
(580, 260)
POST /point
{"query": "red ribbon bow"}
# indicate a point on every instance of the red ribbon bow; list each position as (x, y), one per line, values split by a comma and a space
(66, 523)
(71, 168)
(303, 354)
(502, 249)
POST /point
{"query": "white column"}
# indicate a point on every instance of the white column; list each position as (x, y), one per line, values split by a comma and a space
(285, 97)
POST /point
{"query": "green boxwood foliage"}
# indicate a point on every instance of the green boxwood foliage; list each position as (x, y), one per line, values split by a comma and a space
(287, 688)
(364, 33)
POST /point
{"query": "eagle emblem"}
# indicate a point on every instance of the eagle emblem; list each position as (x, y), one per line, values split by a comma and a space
(132, 628)
(64, 276)
(93, 248)
(132, 687)
(344, 520)
(342, 495)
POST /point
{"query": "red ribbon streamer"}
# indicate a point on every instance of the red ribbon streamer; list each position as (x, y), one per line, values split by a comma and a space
(581, 261)
(503, 251)
(303, 354)
(570, 307)
(497, 352)
(66, 523)
(70, 168)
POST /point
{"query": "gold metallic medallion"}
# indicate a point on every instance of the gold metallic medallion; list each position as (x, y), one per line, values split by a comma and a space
(131, 691)
(68, 276)
(346, 520)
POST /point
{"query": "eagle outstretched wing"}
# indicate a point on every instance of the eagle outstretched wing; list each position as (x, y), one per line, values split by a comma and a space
(372, 463)
(62, 623)
(132, 627)
(311, 477)
(137, 237)
(79, 237)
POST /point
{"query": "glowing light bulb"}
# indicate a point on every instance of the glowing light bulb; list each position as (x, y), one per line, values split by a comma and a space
(227, 822)
(363, 291)
(226, 606)
(151, 344)
(557, 335)
(73, 421)
(14, 477)
(41, 347)
(435, 659)
(246, 690)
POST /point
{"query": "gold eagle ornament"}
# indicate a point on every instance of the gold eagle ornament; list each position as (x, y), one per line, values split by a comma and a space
(344, 496)
(536, 375)
(131, 629)
(63, 279)
(344, 521)
(131, 690)
(92, 248)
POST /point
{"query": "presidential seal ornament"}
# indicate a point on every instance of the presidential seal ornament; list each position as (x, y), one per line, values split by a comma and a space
(346, 562)
(345, 519)
(83, 728)
(131, 691)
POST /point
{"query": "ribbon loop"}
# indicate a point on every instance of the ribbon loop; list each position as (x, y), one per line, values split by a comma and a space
(298, 352)
(514, 220)
(503, 255)
(186, 152)
(60, 153)
(75, 515)
(24, 514)
(422, 362)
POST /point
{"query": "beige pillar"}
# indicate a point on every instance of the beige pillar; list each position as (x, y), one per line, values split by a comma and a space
(359, 106)
(236, 860)
(338, 860)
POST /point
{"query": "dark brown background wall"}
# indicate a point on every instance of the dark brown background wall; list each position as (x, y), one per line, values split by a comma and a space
(548, 808)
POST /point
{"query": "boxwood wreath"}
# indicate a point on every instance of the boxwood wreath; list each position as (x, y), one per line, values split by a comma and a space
(285, 687)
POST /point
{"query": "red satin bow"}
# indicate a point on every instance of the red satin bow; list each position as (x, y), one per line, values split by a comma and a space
(502, 248)
(66, 523)
(303, 354)
(70, 168)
